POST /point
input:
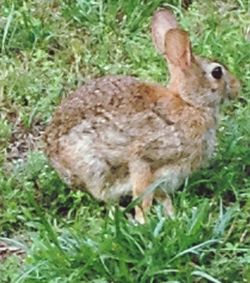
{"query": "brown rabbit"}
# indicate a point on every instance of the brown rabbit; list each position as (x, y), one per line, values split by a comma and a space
(116, 135)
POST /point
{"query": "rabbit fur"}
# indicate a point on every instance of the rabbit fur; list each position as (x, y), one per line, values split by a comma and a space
(116, 135)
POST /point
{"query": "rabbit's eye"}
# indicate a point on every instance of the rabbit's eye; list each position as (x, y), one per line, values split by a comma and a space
(217, 73)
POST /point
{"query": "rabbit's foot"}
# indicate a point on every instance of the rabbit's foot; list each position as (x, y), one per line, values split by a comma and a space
(168, 207)
(139, 215)
(166, 202)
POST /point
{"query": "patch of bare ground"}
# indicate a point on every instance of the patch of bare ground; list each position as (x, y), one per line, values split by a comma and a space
(23, 140)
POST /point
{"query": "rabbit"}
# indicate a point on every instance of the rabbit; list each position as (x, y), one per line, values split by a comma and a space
(116, 135)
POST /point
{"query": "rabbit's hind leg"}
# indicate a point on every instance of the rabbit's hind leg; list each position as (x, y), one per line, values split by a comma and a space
(172, 176)
(141, 177)
(85, 166)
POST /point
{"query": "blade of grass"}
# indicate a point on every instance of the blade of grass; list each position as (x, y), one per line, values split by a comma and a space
(29, 271)
(199, 217)
(7, 26)
(223, 220)
(13, 242)
(204, 275)
(194, 249)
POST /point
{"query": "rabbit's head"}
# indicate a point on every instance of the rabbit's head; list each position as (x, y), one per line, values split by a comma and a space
(197, 80)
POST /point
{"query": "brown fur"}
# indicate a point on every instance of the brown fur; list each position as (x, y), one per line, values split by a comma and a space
(117, 135)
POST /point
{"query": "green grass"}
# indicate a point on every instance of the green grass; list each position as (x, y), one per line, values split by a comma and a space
(49, 48)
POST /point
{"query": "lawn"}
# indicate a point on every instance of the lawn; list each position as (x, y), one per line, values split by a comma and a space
(50, 233)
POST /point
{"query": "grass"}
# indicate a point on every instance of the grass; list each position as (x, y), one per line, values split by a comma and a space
(49, 48)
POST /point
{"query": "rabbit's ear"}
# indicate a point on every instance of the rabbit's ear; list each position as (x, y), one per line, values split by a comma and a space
(178, 48)
(162, 22)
